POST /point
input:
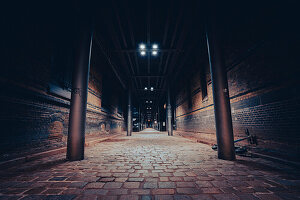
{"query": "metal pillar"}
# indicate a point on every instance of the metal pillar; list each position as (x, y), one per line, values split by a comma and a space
(140, 118)
(76, 132)
(129, 114)
(158, 119)
(223, 118)
(169, 114)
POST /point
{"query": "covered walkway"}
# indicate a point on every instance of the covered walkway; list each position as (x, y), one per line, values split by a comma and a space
(149, 165)
(150, 99)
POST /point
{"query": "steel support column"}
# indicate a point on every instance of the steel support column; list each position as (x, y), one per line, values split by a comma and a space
(77, 117)
(140, 118)
(158, 118)
(169, 113)
(129, 114)
(222, 109)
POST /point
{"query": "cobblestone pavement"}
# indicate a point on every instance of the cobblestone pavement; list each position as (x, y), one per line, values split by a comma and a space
(149, 165)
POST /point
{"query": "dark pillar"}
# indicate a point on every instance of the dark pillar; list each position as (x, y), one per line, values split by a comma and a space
(129, 114)
(76, 132)
(223, 119)
(169, 114)
(140, 118)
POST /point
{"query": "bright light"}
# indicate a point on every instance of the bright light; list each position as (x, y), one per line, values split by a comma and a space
(142, 46)
(151, 88)
(154, 46)
(154, 53)
(143, 53)
(150, 101)
(145, 88)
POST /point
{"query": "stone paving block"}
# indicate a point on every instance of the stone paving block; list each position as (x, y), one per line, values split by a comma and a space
(221, 183)
(182, 197)
(53, 191)
(166, 185)
(188, 191)
(150, 185)
(120, 174)
(58, 184)
(165, 174)
(95, 185)
(104, 174)
(77, 184)
(131, 185)
(146, 197)
(135, 175)
(268, 196)
(163, 197)
(5, 197)
(247, 197)
(72, 191)
(49, 197)
(210, 190)
(87, 197)
(135, 179)
(14, 191)
(113, 185)
(108, 179)
(204, 184)
(107, 197)
(185, 184)
(140, 191)
(163, 191)
(121, 180)
(95, 192)
(202, 197)
(226, 197)
(163, 179)
(58, 178)
(117, 191)
(151, 179)
(129, 197)
(38, 190)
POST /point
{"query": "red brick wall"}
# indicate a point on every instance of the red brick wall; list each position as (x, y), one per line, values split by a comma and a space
(264, 95)
(32, 114)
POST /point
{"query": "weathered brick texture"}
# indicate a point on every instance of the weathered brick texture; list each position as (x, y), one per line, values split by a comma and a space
(33, 115)
(264, 95)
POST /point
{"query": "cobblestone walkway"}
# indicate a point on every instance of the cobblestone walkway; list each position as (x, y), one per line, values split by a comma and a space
(149, 165)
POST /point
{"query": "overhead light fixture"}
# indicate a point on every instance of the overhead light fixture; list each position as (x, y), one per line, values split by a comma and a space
(150, 101)
(142, 46)
(154, 53)
(143, 49)
(145, 88)
(143, 53)
(151, 88)
(154, 46)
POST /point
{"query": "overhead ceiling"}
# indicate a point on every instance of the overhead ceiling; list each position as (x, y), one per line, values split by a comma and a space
(175, 27)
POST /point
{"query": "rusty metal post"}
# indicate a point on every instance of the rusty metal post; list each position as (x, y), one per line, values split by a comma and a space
(223, 120)
(76, 132)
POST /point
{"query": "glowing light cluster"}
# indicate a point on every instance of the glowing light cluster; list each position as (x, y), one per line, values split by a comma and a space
(143, 49)
(151, 89)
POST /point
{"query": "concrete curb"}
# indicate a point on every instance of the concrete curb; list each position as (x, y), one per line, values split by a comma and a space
(28, 158)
